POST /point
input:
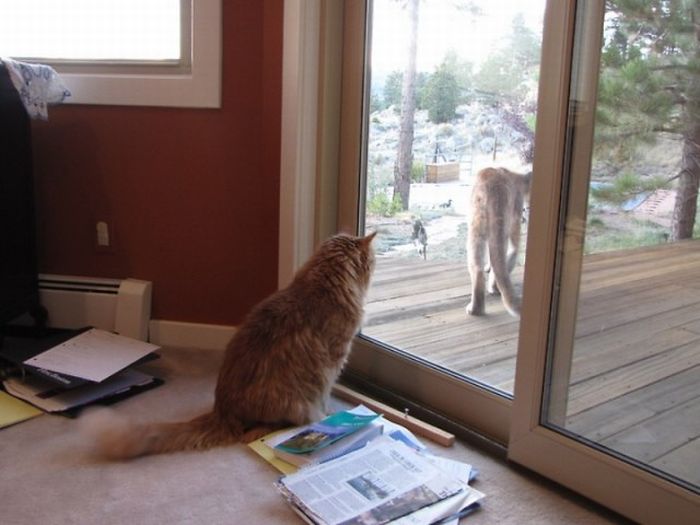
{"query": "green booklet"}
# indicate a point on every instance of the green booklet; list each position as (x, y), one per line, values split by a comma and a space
(327, 431)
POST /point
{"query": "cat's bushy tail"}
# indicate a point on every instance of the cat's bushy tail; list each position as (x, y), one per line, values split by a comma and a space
(117, 438)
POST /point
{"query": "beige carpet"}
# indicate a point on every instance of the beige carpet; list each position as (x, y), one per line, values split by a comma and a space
(49, 477)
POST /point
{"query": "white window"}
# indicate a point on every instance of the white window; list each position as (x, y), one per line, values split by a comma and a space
(121, 52)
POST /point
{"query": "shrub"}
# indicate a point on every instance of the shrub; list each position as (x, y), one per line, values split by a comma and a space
(380, 204)
(418, 172)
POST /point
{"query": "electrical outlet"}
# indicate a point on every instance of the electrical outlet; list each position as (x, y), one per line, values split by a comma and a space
(102, 234)
(103, 237)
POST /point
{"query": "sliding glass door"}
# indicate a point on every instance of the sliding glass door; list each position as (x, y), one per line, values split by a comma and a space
(608, 384)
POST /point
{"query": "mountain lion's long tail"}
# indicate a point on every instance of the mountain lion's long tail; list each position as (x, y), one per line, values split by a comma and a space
(117, 438)
(498, 254)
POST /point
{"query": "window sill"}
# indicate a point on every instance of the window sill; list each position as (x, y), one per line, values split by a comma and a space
(199, 89)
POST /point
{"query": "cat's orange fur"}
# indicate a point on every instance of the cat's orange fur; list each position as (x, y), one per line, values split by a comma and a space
(281, 363)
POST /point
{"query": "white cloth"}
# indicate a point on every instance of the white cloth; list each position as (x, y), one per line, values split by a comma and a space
(38, 86)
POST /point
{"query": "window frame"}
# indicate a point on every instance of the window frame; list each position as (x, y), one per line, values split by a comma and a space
(193, 81)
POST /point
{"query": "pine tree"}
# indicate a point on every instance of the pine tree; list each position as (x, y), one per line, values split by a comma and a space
(505, 74)
(649, 85)
(507, 80)
(446, 88)
(411, 84)
(442, 95)
(392, 89)
(404, 154)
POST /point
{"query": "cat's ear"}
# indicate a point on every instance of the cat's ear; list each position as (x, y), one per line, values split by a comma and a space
(367, 239)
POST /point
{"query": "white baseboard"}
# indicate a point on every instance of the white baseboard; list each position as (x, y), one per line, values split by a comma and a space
(190, 335)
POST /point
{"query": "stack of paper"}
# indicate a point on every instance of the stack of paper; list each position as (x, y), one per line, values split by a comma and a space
(389, 478)
(77, 368)
(385, 481)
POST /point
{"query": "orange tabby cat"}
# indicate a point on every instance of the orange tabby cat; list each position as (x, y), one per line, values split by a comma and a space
(281, 363)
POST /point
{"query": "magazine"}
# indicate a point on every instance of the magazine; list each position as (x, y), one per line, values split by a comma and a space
(379, 483)
(289, 463)
(321, 434)
(339, 448)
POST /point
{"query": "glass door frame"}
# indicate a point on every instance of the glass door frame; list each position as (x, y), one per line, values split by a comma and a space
(605, 478)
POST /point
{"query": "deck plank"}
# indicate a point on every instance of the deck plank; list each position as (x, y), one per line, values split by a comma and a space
(657, 436)
(682, 462)
(602, 421)
(618, 382)
(618, 345)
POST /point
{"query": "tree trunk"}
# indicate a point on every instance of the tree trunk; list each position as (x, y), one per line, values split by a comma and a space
(686, 204)
(404, 155)
(685, 207)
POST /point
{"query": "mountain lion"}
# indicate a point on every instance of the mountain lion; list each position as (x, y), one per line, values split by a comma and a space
(496, 212)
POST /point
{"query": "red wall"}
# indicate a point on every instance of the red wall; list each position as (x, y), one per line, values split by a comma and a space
(191, 195)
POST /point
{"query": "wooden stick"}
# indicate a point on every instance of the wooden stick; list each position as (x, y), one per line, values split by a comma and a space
(421, 428)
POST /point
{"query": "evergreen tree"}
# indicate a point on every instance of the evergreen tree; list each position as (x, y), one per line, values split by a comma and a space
(446, 88)
(507, 80)
(442, 95)
(392, 89)
(649, 85)
(404, 153)
(422, 79)
(508, 73)
(409, 101)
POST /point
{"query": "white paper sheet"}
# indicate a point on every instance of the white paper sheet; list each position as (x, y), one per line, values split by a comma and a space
(94, 355)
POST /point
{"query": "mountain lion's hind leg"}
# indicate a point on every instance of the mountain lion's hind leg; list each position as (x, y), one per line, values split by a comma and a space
(476, 255)
(514, 234)
(491, 285)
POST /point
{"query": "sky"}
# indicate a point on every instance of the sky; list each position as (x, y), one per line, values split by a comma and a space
(126, 29)
(441, 27)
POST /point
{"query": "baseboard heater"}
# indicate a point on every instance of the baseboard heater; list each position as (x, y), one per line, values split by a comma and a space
(119, 305)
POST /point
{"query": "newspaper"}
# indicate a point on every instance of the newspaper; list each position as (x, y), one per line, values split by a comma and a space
(442, 511)
(379, 483)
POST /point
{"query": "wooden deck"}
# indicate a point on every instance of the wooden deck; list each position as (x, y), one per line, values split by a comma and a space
(635, 375)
